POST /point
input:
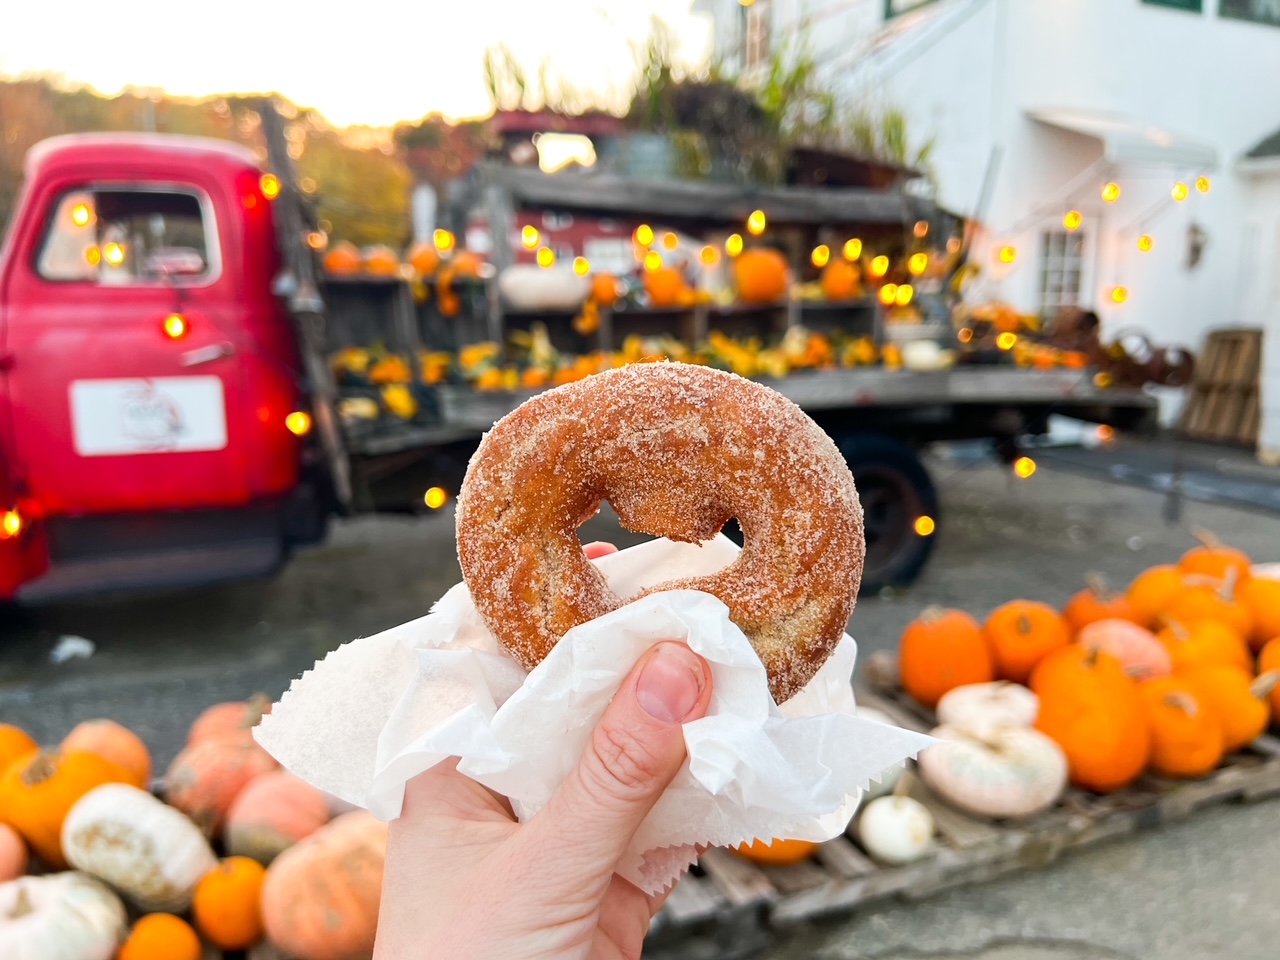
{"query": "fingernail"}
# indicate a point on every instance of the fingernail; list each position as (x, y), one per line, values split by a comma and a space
(670, 683)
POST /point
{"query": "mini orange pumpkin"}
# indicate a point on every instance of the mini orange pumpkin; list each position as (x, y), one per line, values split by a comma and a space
(39, 790)
(776, 853)
(1152, 591)
(762, 275)
(1269, 660)
(604, 289)
(664, 286)
(203, 779)
(1097, 602)
(320, 899)
(1186, 736)
(228, 903)
(113, 742)
(272, 813)
(1142, 655)
(942, 650)
(236, 718)
(1205, 641)
(424, 258)
(1214, 559)
(161, 936)
(13, 854)
(1020, 634)
(342, 259)
(1239, 701)
(841, 280)
(1091, 708)
(15, 743)
(380, 260)
(1261, 597)
(1205, 599)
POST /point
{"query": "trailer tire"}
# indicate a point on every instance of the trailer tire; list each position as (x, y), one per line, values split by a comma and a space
(895, 489)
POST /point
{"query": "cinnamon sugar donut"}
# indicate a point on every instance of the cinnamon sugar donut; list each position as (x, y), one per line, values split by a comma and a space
(678, 450)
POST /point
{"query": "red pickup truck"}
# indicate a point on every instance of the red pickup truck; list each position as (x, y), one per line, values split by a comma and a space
(153, 417)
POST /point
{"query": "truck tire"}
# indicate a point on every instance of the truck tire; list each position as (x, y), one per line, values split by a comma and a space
(895, 490)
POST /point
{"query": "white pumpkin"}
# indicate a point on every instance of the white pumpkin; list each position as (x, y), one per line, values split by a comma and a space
(896, 829)
(981, 707)
(148, 851)
(1007, 772)
(60, 916)
(926, 355)
(526, 287)
(889, 779)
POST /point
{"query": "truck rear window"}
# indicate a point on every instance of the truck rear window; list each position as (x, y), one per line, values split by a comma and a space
(121, 236)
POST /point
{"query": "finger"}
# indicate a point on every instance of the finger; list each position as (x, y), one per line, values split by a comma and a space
(599, 549)
(635, 752)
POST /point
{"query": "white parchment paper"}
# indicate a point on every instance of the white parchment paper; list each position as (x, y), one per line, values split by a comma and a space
(379, 710)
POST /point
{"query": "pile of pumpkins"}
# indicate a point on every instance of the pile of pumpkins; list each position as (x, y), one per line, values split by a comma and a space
(227, 851)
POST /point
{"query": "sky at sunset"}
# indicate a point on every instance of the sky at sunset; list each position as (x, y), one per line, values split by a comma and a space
(372, 63)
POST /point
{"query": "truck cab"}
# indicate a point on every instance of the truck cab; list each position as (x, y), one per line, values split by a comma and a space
(154, 425)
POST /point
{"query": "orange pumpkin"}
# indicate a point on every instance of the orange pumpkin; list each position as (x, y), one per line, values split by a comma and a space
(15, 743)
(1020, 634)
(424, 258)
(1238, 700)
(1203, 599)
(1151, 593)
(664, 286)
(1205, 641)
(1091, 708)
(841, 280)
(237, 719)
(762, 275)
(1137, 649)
(1097, 602)
(381, 261)
(465, 263)
(13, 854)
(1261, 597)
(228, 903)
(1269, 660)
(1186, 736)
(342, 259)
(272, 813)
(113, 742)
(1214, 559)
(161, 936)
(942, 650)
(776, 853)
(320, 899)
(604, 289)
(203, 779)
(39, 790)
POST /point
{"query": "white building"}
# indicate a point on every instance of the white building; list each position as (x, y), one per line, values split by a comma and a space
(1055, 99)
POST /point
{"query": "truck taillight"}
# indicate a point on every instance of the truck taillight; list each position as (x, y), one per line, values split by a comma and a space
(269, 184)
(11, 524)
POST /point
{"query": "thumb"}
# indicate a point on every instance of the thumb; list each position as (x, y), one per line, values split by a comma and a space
(634, 753)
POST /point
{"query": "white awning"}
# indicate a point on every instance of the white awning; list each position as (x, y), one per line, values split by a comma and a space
(1126, 140)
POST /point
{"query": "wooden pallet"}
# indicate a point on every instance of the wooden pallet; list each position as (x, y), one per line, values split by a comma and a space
(727, 897)
(1223, 403)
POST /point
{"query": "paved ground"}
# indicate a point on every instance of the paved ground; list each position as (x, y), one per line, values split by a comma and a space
(1210, 888)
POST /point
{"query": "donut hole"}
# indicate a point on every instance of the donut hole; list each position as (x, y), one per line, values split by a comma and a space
(605, 526)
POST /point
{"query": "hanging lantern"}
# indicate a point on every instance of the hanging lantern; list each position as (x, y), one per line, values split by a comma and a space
(1111, 192)
(1073, 220)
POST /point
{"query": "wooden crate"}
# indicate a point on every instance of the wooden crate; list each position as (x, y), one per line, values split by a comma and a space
(754, 901)
(1223, 403)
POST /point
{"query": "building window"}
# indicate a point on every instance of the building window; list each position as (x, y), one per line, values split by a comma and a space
(1256, 11)
(896, 8)
(1061, 267)
(1195, 6)
(756, 23)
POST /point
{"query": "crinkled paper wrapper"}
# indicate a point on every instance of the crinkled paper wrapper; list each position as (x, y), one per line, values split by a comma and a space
(379, 710)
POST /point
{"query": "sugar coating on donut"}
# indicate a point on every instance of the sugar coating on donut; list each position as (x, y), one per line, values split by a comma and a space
(678, 450)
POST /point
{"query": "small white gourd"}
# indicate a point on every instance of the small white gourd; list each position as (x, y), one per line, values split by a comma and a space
(527, 287)
(150, 852)
(980, 707)
(60, 916)
(896, 829)
(1005, 772)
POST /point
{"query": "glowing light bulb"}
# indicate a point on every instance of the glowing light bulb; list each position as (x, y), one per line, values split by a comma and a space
(653, 261)
(1179, 191)
(546, 257)
(756, 223)
(1007, 254)
(175, 326)
(1111, 192)
(1204, 184)
(435, 497)
(1073, 219)
(880, 266)
(444, 240)
(924, 526)
(889, 294)
(529, 236)
(644, 235)
(10, 523)
(1024, 467)
(709, 255)
(113, 253)
(918, 264)
(1146, 243)
(852, 249)
(80, 215)
(581, 266)
(964, 334)
(1006, 340)
(92, 255)
(733, 245)
(821, 254)
(905, 294)
(298, 423)
(1119, 294)
(269, 184)
(921, 229)
(670, 240)
(1102, 379)
(317, 239)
